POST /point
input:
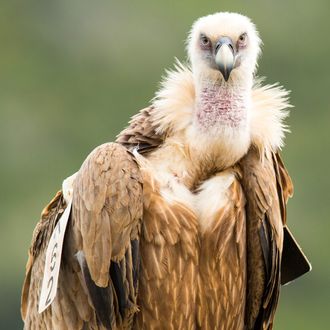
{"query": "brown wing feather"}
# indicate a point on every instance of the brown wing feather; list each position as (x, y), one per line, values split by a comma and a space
(265, 216)
(99, 288)
(41, 234)
(284, 183)
(141, 133)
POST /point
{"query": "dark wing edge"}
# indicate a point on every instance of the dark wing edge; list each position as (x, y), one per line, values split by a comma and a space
(294, 262)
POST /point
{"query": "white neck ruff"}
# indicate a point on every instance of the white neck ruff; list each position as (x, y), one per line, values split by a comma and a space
(176, 102)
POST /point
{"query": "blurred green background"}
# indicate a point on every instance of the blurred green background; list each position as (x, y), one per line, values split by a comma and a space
(73, 72)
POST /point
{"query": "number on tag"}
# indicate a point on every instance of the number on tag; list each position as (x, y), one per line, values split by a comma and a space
(53, 261)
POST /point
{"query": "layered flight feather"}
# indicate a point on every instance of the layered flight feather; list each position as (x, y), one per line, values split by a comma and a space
(98, 277)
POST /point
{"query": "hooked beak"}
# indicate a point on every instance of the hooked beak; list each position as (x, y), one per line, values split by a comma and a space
(225, 56)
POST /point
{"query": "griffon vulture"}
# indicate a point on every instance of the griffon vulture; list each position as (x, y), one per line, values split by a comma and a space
(181, 223)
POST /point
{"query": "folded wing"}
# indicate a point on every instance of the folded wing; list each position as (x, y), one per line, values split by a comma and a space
(267, 187)
(100, 262)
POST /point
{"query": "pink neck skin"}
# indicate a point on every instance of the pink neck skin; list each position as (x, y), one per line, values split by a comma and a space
(221, 105)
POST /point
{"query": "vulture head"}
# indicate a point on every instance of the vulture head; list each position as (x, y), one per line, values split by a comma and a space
(223, 50)
(224, 47)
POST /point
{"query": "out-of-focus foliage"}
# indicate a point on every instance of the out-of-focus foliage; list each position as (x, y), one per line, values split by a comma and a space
(73, 72)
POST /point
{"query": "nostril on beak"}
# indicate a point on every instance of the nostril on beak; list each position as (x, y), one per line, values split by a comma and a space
(224, 41)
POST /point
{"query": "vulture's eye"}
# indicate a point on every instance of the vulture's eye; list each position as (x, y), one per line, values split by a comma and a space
(242, 40)
(205, 42)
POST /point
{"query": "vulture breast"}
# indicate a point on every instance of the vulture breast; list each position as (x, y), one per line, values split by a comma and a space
(193, 253)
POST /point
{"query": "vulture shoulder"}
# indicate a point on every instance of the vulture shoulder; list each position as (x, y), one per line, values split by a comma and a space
(267, 187)
(100, 260)
(142, 133)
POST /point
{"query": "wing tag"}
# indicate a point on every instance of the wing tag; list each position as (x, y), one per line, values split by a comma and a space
(53, 261)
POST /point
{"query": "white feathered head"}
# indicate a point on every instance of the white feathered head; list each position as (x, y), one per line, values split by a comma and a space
(223, 46)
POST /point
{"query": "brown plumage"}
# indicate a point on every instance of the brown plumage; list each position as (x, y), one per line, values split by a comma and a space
(174, 226)
(99, 286)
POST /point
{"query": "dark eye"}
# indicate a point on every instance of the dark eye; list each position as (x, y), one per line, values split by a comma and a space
(242, 40)
(205, 42)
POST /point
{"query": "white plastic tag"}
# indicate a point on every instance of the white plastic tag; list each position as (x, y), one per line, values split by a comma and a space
(53, 261)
